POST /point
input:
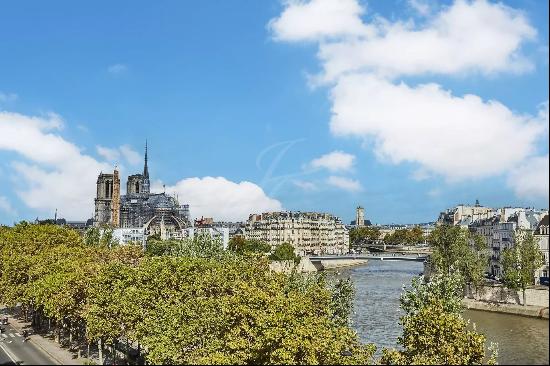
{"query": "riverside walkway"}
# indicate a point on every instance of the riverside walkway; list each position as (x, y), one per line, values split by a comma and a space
(372, 256)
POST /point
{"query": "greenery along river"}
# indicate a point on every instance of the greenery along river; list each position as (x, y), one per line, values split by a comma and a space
(378, 286)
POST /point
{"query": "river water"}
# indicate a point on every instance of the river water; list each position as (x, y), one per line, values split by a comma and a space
(378, 286)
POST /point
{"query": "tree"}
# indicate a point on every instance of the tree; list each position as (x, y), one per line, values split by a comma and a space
(520, 263)
(284, 252)
(415, 236)
(100, 237)
(364, 235)
(398, 237)
(158, 247)
(92, 236)
(457, 250)
(196, 310)
(241, 245)
(434, 332)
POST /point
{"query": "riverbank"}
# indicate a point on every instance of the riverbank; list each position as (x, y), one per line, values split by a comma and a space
(306, 265)
(513, 309)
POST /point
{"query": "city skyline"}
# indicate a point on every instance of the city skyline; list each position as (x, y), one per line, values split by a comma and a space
(248, 110)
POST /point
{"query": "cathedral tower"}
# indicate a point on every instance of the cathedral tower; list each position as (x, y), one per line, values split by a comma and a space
(104, 196)
(139, 183)
(115, 200)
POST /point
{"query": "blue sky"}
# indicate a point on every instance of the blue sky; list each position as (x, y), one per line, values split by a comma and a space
(241, 91)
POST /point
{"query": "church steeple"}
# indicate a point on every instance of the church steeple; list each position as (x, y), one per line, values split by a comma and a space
(146, 184)
(145, 169)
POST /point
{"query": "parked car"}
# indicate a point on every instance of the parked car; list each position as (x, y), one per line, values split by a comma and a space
(544, 281)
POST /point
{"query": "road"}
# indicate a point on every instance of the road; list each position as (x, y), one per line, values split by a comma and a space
(13, 351)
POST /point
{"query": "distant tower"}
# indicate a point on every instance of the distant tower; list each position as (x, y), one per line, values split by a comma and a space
(115, 200)
(146, 183)
(360, 216)
(104, 196)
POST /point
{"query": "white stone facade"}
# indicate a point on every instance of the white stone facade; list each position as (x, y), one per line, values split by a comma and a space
(215, 232)
(541, 235)
(310, 233)
(130, 235)
(500, 230)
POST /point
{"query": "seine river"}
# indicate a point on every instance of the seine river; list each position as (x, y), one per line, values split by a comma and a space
(378, 286)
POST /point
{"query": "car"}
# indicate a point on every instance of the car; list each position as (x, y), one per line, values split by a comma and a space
(544, 281)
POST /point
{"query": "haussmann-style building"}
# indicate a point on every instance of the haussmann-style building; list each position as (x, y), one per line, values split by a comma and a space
(310, 233)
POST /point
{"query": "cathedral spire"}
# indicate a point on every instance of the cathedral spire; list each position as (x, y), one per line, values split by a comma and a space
(145, 169)
(146, 184)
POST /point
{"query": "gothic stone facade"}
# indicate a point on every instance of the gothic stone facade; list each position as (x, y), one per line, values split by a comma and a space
(157, 213)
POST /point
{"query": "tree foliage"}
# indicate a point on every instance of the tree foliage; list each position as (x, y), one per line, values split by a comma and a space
(284, 252)
(411, 236)
(193, 304)
(100, 237)
(241, 245)
(456, 250)
(198, 310)
(364, 235)
(434, 332)
(520, 263)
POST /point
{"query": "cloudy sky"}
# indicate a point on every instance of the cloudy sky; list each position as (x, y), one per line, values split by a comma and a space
(406, 107)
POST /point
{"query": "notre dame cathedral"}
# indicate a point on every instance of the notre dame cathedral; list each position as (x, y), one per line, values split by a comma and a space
(157, 213)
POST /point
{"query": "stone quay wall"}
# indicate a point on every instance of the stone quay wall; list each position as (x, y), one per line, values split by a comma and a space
(306, 265)
(536, 296)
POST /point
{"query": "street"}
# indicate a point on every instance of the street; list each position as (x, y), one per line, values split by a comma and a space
(13, 351)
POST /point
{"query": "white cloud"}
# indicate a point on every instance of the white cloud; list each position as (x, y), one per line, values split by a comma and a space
(55, 173)
(306, 186)
(114, 154)
(117, 69)
(434, 193)
(420, 174)
(457, 137)
(334, 161)
(318, 19)
(221, 199)
(131, 156)
(468, 36)
(530, 180)
(108, 153)
(422, 7)
(7, 97)
(346, 184)
(5, 206)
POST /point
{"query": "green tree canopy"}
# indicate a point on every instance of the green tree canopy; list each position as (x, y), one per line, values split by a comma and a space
(364, 234)
(284, 252)
(520, 263)
(196, 310)
(415, 236)
(241, 245)
(434, 332)
(457, 250)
